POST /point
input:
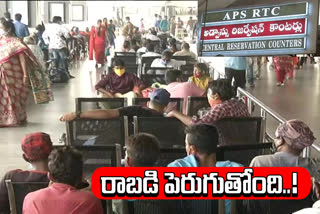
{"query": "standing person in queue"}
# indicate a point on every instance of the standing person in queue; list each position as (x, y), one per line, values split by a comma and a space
(108, 35)
(112, 34)
(98, 43)
(127, 30)
(235, 67)
(20, 28)
(19, 69)
(283, 66)
(55, 36)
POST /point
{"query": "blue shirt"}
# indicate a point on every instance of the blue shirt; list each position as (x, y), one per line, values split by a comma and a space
(191, 161)
(236, 63)
(21, 29)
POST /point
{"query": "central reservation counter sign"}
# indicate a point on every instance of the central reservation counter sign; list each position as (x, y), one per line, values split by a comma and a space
(282, 29)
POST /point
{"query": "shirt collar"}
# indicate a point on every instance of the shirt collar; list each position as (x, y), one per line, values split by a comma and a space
(61, 186)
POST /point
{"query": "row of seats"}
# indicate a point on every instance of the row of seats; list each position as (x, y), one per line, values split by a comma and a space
(194, 104)
(110, 156)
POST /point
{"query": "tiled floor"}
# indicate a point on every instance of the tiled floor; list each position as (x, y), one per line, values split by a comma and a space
(298, 99)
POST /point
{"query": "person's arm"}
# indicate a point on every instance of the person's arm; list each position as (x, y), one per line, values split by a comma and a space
(183, 118)
(22, 60)
(102, 83)
(26, 31)
(94, 114)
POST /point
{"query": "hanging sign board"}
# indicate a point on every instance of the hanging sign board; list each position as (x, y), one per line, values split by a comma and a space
(267, 30)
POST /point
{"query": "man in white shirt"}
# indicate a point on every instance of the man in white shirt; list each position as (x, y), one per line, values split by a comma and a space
(55, 36)
(185, 51)
(166, 61)
(150, 51)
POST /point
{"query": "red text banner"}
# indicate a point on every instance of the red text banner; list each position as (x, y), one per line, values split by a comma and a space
(257, 29)
(201, 183)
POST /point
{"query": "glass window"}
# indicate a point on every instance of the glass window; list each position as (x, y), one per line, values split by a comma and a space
(56, 9)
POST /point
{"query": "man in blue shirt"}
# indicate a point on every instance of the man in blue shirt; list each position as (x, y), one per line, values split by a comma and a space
(235, 67)
(201, 147)
(21, 29)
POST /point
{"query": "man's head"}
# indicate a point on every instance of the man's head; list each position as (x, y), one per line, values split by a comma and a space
(127, 19)
(166, 56)
(57, 19)
(160, 17)
(142, 150)
(156, 15)
(105, 20)
(39, 28)
(18, 17)
(36, 147)
(65, 166)
(119, 67)
(173, 76)
(293, 136)
(201, 139)
(110, 21)
(186, 46)
(166, 17)
(172, 41)
(150, 47)
(126, 45)
(190, 17)
(219, 90)
(159, 100)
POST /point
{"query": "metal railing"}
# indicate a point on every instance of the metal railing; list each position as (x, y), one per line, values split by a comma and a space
(265, 111)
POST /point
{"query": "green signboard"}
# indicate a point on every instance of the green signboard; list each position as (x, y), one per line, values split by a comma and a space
(257, 13)
(294, 43)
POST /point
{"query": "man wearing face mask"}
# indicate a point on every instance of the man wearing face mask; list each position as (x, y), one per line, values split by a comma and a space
(120, 83)
(166, 61)
(222, 104)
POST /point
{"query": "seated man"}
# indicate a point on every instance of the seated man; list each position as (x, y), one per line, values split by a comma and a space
(185, 51)
(200, 76)
(36, 148)
(179, 89)
(166, 61)
(142, 150)
(143, 48)
(201, 147)
(150, 51)
(222, 105)
(159, 100)
(292, 137)
(120, 83)
(65, 172)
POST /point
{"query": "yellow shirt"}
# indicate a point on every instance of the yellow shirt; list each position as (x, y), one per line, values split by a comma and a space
(202, 82)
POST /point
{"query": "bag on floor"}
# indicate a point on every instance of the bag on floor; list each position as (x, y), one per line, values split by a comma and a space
(58, 76)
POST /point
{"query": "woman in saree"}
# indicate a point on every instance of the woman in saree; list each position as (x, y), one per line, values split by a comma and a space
(19, 70)
(283, 66)
(98, 43)
(108, 37)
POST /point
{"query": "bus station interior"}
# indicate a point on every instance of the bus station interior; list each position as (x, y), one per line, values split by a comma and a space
(298, 99)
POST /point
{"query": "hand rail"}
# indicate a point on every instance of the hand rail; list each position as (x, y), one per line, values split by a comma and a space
(269, 111)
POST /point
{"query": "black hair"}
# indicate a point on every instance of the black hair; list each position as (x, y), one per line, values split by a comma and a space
(128, 18)
(126, 44)
(118, 62)
(39, 28)
(222, 87)
(172, 75)
(204, 137)
(167, 53)
(18, 17)
(202, 66)
(8, 26)
(172, 41)
(143, 149)
(56, 19)
(150, 47)
(7, 15)
(66, 166)
(99, 29)
(185, 46)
